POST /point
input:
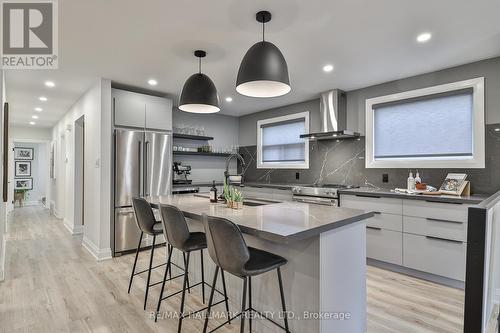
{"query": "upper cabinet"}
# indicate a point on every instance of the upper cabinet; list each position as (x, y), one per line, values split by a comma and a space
(141, 111)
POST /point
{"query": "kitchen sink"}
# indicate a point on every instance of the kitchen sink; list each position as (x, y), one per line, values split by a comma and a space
(255, 204)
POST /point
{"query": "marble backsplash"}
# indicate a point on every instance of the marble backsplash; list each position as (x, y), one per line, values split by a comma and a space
(343, 162)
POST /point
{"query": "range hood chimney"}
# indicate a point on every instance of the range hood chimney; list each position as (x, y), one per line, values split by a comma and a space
(333, 113)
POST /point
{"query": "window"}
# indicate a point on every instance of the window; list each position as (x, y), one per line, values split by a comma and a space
(436, 127)
(279, 144)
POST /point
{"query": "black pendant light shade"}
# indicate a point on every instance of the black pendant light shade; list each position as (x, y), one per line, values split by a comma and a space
(199, 94)
(263, 71)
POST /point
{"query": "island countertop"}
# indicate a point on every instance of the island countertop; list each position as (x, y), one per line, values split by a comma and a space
(281, 222)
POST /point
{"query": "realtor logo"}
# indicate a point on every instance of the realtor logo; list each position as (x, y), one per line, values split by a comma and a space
(29, 34)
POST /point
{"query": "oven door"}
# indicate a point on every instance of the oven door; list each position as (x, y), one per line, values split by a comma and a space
(316, 200)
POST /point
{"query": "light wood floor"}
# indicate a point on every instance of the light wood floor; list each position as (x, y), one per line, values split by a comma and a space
(53, 285)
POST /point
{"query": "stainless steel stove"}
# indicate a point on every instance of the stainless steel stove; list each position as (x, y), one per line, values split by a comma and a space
(325, 194)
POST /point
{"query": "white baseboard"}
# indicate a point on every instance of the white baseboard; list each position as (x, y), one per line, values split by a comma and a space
(98, 254)
(57, 215)
(73, 229)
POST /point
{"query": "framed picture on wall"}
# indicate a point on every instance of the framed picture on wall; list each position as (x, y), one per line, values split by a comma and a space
(23, 169)
(23, 184)
(23, 153)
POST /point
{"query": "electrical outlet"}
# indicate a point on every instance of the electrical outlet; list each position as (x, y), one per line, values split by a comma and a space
(297, 175)
(385, 178)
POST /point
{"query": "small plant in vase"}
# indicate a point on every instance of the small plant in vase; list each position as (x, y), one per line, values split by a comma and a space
(237, 200)
(227, 195)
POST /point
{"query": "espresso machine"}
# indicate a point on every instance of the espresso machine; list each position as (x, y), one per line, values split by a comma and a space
(181, 173)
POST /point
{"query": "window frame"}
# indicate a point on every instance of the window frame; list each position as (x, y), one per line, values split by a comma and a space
(283, 165)
(478, 129)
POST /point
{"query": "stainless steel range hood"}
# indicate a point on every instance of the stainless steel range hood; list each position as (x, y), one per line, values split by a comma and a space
(333, 113)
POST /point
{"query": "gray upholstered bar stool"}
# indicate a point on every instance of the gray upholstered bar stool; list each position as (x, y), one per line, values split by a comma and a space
(179, 237)
(228, 250)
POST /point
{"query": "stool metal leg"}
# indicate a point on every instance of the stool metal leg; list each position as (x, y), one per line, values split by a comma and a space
(285, 317)
(167, 270)
(250, 303)
(243, 304)
(169, 251)
(181, 315)
(149, 272)
(185, 269)
(225, 295)
(202, 277)
(135, 263)
(211, 297)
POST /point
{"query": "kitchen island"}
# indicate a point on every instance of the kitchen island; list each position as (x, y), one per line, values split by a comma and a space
(325, 246)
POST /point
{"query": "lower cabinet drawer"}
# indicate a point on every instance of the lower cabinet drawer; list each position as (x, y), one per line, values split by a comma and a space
(384, 245)
(435, 227)
(386, 221)
(436, 256)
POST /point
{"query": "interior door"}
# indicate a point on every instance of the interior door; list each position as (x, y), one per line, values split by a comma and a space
(158, 163)
(128, 166)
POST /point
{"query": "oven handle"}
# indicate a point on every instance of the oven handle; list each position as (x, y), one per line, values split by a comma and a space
(317, 201)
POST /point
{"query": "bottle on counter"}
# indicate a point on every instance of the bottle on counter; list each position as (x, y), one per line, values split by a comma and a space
(418, 180)
(213, 193)
(411, 182)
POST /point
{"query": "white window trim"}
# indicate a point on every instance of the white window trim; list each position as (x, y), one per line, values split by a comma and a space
(478, 149)
(282, 165)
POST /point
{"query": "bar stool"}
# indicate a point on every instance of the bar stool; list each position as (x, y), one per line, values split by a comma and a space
(180, 238)
(147, 224)
(228, 250)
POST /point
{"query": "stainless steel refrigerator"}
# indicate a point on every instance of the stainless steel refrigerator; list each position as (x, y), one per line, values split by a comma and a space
(143, 167)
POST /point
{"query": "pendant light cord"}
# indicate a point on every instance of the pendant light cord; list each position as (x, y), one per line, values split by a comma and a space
(263, 30)
(199, 65)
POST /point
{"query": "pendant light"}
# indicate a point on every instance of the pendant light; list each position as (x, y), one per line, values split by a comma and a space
(199, 94)
(263, 71)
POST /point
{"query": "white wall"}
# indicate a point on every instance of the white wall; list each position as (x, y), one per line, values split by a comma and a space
(34, 134)
(3, 209)
(95, 106)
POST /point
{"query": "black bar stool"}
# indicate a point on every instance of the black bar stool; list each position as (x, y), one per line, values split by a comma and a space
(180, 238)
(228, 250)
(146, 222)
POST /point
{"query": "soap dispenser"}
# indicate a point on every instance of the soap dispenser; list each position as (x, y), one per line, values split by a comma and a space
(411, 182)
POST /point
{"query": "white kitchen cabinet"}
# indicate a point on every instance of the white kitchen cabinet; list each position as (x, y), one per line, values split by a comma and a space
(427, 236)
(435, 255)
(384, 245)
(141, 111)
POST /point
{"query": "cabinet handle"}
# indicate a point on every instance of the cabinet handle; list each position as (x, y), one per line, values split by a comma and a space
(377, 213)
(373, 228)
(443, 239)
(443, 202)
(440, 220)
(367, 196)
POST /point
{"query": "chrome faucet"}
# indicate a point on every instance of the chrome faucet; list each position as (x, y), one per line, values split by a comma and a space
(238, 178)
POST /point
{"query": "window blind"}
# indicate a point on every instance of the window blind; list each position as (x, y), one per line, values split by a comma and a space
(439, 125)
(281, 142)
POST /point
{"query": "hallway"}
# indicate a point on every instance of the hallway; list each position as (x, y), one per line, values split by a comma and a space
(53, 284)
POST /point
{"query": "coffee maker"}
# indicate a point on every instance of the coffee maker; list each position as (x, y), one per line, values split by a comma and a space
(181, 173)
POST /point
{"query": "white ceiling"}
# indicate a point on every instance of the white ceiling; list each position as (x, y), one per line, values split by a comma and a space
(367, 41)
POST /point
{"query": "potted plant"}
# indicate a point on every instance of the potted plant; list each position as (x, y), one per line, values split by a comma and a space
(237, 200)
(227, 195)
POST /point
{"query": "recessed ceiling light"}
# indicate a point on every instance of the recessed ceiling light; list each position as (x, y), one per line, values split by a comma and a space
(328, 68)
(50, 84)
(38, 109)
(424, 37)
(497, 129)
(43, 99)
(32, 123)
(152, 82)
(34, 117)
(229, 99)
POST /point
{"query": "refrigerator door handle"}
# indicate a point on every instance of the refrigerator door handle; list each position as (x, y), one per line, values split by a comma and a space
(139, 173)
(146, 179)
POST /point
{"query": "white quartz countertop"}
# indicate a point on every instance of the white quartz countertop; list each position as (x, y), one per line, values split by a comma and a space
(281, 222)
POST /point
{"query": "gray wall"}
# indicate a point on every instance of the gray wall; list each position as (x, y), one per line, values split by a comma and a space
(248, 123)
(224, 129)
(489, 69)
